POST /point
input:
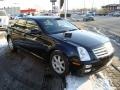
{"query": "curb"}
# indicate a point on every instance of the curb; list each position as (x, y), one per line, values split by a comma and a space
(116, 63)
(115, 67)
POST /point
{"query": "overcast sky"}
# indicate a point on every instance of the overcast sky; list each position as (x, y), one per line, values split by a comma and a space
(45, 4)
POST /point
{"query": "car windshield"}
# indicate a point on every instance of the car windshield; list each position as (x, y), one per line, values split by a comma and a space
(2, 13)
(57, 26)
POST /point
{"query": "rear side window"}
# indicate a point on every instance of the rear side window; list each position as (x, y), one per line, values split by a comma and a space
(2, 13)
(21, 23)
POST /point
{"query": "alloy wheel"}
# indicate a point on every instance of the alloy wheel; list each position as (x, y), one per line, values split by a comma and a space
(58, 64)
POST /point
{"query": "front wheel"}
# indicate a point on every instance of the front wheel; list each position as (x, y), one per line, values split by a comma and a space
(59, 63)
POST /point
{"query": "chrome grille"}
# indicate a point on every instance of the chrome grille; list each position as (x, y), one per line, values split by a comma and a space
(103, 51)
(100, 52)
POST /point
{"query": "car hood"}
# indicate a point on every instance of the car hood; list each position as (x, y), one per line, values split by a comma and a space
(82, 38)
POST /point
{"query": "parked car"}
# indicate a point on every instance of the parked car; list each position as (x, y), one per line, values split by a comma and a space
(111, 13)
(4, 20)
(65, 47)
(116, 14)
(19, 16)
(88, 17)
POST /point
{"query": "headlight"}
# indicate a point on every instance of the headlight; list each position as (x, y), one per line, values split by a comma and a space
(84, 56)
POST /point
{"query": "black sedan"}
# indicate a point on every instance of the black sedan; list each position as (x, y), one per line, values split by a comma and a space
(65, 47)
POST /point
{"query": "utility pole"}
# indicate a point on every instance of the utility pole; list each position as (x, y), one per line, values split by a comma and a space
(84, 7)
(53, 4)
(92, 5)
(65, 9)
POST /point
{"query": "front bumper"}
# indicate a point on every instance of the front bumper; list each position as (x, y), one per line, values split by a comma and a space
(91, 67)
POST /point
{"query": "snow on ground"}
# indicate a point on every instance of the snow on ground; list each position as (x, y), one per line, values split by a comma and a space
(93, 82)
(78, 83)
(3, 41)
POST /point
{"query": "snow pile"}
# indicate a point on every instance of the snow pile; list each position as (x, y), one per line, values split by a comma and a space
(78, 83)
(3, 41)
(101, 82)
(87, 83)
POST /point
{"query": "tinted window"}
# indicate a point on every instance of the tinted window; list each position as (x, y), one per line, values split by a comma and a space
(21, 22)
(57, 25)
(32, 25)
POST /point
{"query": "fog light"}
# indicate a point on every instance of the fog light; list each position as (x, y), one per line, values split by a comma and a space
(88, 70)
(88, 66)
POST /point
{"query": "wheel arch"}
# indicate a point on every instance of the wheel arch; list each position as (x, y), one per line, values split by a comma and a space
(57, 49)
(67, 51)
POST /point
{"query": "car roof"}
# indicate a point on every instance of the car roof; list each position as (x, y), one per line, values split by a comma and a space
(42, 17)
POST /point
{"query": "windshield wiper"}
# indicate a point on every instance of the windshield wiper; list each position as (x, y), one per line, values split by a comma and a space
(60, 32)
(72, 29)
(65, 31)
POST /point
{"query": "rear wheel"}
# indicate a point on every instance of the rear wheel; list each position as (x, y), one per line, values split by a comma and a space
(11, 45)
(59, 63)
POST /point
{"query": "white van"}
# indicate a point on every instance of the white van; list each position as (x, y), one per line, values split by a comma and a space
(4, 19)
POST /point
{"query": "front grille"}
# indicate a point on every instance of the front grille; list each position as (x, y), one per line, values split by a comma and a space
(103, 51)
(100, 52)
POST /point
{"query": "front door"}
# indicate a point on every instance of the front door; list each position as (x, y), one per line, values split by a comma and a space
(36, 40)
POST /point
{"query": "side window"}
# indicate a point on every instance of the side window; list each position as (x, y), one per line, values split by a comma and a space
(31, 25)
(21, 23)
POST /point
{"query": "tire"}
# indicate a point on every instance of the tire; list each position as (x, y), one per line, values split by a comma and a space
(59, 63)
(11, 45)
(92, 19)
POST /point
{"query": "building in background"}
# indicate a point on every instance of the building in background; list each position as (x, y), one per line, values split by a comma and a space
(112, 7)
(12, 10)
